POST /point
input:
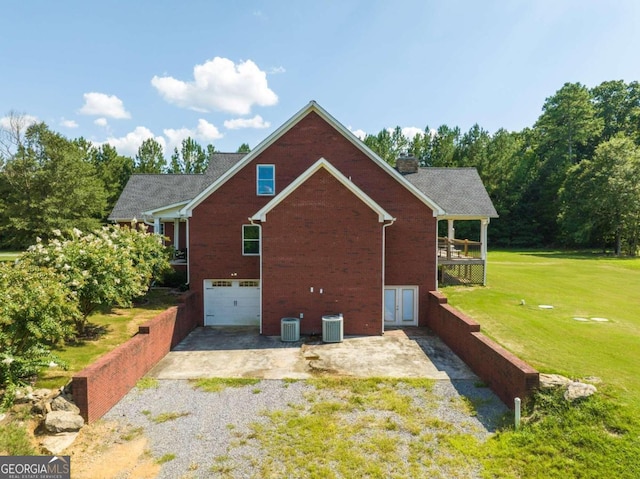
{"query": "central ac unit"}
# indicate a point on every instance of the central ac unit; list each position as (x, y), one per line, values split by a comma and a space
(332, 328)
(290, 329)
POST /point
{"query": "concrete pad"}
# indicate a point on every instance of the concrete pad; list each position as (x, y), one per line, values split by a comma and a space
(242, 352)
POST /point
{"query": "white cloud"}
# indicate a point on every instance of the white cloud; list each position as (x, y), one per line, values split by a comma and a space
(411, 131)
(359, 133)
(219, 84)
(69, 123)
(408, 131)
(276, 70)
(103, 105)
(101, 121)
(129, 144)
(205, 132)
(255, 122)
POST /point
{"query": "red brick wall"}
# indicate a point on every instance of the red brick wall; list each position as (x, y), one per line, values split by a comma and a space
(216, 226)
(99, 386)
(332, 241)
(506, 374)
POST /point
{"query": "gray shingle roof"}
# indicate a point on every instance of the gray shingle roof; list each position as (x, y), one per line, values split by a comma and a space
(148, 192)
(458, 191)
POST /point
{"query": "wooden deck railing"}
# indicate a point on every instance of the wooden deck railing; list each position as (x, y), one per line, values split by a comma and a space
(452, 249)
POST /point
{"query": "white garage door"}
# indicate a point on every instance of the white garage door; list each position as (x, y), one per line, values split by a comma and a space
(231, 303)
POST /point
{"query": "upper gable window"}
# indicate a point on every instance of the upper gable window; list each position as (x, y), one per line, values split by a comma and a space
(266, 180)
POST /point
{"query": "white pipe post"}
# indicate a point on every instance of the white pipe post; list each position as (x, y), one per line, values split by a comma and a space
(517, 418)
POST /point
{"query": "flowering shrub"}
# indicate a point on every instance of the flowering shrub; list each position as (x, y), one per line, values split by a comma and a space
(37, 311)
(110, 266)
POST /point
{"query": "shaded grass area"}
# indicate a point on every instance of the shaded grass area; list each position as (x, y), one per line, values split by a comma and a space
(112, 327)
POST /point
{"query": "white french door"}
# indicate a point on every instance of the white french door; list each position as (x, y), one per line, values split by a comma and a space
(401, 305)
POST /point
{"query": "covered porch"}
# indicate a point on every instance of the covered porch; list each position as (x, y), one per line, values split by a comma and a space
(462, 261)
(169, 223)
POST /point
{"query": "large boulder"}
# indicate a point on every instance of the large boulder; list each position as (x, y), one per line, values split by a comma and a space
(577, 390)
(60, 403)
(572, 389)
(63, 421)
(56, 443)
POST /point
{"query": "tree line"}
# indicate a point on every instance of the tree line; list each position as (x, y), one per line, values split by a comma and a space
(570, 180)
(48, 181)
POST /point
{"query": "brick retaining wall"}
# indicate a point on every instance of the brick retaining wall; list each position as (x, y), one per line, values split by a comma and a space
(506, 374)
(99, 386)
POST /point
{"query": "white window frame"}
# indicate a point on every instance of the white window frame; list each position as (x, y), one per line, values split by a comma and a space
(258, 180)
(244, 253)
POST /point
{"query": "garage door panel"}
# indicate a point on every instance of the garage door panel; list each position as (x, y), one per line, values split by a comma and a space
(231, 303)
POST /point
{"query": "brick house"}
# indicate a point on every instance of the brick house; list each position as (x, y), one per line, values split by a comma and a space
(312, 222)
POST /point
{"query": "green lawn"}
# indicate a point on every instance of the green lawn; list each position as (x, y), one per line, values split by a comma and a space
(577, 286)
(115, 326)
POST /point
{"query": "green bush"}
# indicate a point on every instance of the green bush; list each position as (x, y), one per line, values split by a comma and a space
(110, 266)
(37, 311)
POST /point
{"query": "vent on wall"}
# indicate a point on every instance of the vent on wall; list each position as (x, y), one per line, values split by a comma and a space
(332, 328)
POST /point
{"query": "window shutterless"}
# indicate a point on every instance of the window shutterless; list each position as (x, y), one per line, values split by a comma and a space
(266, 180)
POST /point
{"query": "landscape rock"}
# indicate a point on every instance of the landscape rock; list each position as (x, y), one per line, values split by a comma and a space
(63, 421)
(23, 395)
(577, 390)
(550, 381)
(57, 443)
(41, 407)
(41, 394)
(60, 403)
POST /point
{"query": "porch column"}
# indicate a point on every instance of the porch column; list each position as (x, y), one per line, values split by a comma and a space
(451, 235)
(451, 231)
(176, 234)
(483, 246)
(156, 227)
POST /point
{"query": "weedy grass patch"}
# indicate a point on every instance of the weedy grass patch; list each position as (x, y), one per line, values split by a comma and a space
(15, 441)
(361, 428)
(214, 385)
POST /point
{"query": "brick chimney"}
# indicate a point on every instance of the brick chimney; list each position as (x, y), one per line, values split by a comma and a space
(406, 163)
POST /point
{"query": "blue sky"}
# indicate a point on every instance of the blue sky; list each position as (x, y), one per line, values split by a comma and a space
(231, 72)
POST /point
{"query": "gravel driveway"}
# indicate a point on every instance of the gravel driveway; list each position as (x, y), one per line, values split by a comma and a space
(213, 422)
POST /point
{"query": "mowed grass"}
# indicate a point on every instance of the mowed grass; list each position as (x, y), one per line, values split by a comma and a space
(9, 255)
(577, 285)
(114, 327)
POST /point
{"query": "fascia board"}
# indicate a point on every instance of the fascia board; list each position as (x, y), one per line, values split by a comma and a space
(358, 143)
(188, 209)
(168, 210)
(465, 217)
(261, 215)
(311, 106)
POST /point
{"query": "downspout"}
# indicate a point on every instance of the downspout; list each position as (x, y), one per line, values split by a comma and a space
(484, 224)
(384, 262)
(252, 222)
(188, 251)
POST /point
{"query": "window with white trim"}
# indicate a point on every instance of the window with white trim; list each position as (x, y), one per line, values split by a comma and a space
(250, 240)
(266, 180)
